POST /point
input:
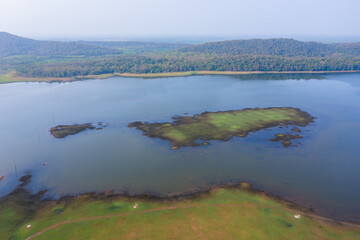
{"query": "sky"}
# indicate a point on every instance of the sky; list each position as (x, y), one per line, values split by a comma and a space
(172, 18)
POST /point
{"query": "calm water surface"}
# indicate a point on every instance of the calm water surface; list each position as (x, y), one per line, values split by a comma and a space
(322, 173)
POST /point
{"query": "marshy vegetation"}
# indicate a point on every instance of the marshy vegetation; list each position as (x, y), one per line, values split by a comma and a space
(223, 125)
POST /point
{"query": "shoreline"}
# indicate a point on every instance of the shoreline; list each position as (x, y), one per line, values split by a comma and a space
(12, 77)
(206, 192)
(195, 193)
(43, 214)
(193, 73)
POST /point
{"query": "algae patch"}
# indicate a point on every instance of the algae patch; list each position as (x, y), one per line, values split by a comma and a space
(223, 125)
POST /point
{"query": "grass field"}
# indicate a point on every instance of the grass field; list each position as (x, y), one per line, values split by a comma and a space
(186, 130)
(235, 213)
(11, 77)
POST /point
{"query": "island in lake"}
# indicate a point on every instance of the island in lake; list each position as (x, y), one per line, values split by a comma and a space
(223, 125)
(62, 131)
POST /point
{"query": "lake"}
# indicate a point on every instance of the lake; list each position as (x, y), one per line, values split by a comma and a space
(321, 173)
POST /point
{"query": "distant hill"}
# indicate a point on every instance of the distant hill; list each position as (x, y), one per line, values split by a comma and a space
(278, 47)
(275, 47)
(14, 45)
(61, 59)
(137, 47)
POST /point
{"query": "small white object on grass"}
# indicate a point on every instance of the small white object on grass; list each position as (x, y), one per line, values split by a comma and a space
(28, 226)
(135, 206)
(297, 216)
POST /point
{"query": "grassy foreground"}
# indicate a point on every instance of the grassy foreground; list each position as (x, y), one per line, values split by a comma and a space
(222, 125)
(236, 213)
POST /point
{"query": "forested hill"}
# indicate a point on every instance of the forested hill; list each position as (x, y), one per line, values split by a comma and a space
(140, 57)
(281, 47)
(137, 47)
(14, 45)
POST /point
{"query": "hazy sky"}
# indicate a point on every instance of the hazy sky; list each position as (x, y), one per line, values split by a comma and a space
(56, 18)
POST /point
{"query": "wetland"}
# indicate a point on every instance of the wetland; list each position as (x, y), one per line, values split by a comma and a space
(317, 170)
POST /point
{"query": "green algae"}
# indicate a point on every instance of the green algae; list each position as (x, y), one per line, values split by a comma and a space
(222, 125)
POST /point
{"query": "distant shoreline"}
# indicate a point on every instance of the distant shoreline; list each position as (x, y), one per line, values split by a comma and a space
(192, 73)
(12, 77)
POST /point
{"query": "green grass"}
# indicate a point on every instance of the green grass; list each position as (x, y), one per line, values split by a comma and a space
(185, 131)
(7, 78)
(11, 77)
(223, 214)
(10, 217)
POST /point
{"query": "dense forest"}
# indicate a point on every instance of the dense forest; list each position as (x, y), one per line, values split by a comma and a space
(237, 55)
(143, 64)
(275, 47)
(133, 47)
(11, 45)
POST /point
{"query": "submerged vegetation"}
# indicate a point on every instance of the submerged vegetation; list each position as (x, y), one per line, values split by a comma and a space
(187, 130)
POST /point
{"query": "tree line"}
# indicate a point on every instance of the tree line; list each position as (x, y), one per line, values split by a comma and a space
(161, 64)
